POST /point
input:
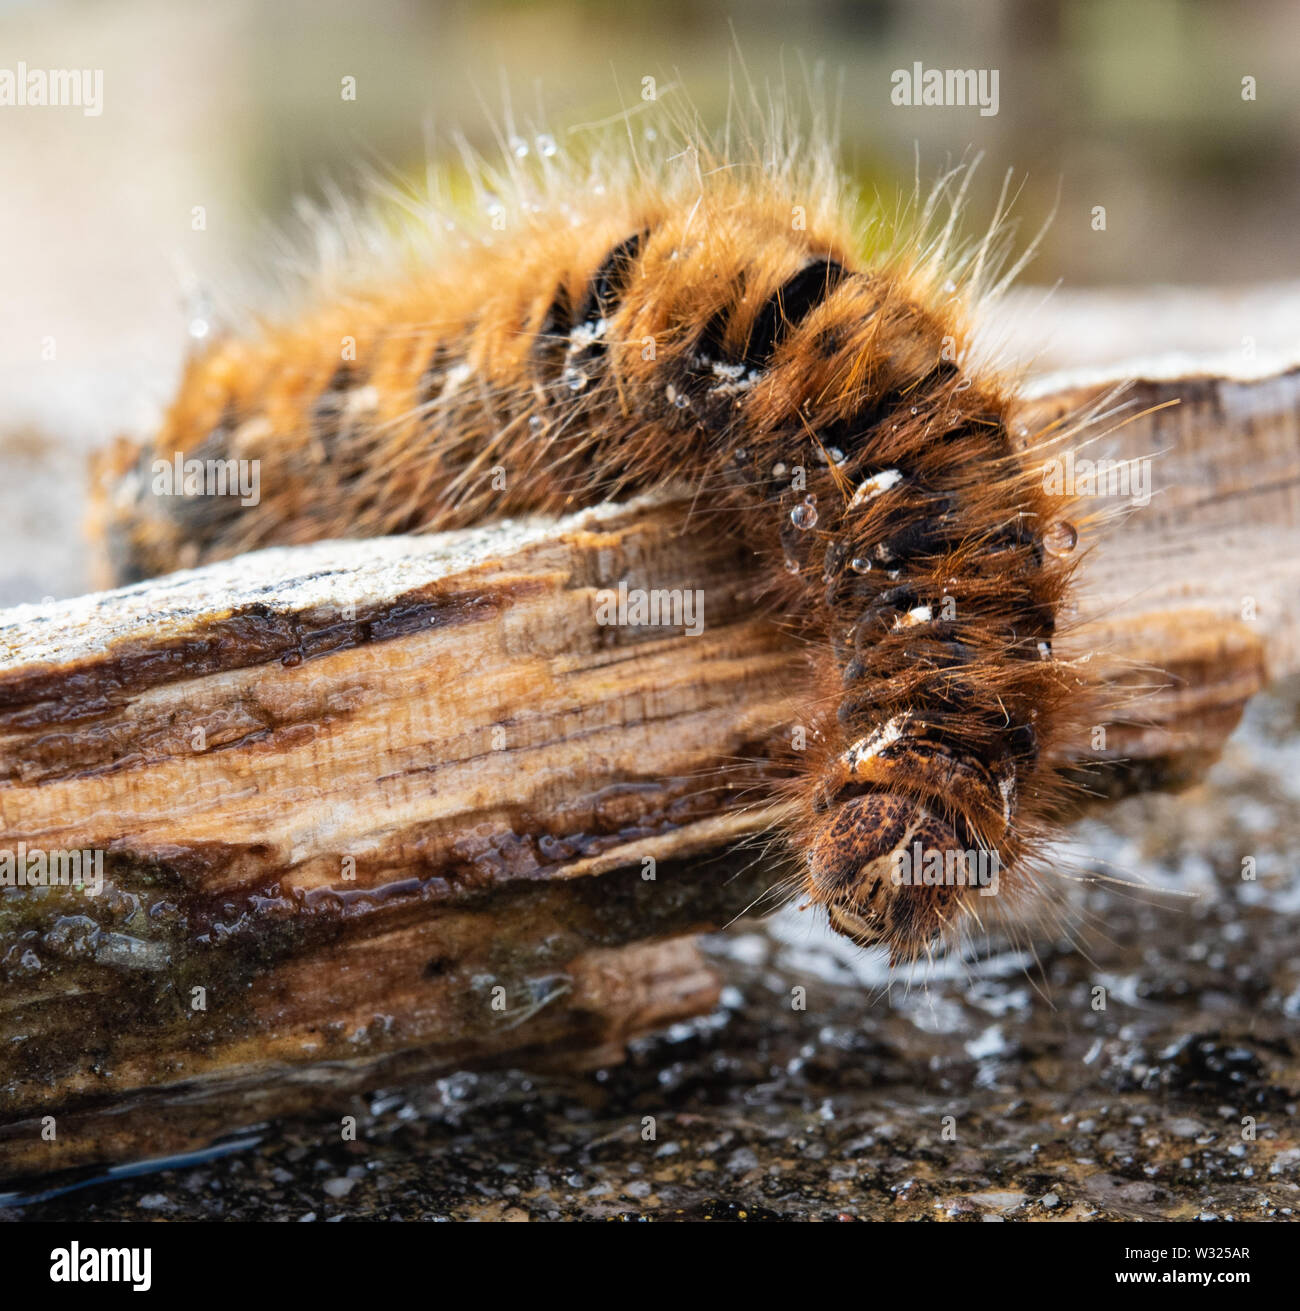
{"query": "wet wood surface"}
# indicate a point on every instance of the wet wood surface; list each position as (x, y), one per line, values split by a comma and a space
(372, 811)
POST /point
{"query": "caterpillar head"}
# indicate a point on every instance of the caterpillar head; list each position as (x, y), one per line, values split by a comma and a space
(909, 836)
(893, 872)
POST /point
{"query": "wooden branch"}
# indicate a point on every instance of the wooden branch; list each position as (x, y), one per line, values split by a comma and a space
(1223, 524)
(373, 810)
(1196, 592)
(352, 790)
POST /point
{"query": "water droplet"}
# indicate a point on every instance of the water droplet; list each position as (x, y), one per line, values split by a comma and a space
(574, 379)
(740, 455)
(791, 566)
(651, 134)
(1044, 650)
(536, 424)
(804, 515)
(198, 328)
(1061, 538)
(546, 146)
(915, 410)
(860, 564)
(779, 470)
(519, 147)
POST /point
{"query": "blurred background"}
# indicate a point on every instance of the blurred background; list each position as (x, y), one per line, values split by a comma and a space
(235, 106)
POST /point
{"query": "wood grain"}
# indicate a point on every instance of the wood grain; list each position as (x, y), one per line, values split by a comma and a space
(349, 790)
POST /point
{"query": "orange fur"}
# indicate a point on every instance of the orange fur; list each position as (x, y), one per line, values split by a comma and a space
(709, 320)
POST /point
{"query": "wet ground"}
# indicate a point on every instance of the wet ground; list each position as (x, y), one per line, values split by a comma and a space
(996, 1089)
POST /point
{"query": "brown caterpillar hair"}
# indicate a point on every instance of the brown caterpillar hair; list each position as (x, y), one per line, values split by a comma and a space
(718, 314)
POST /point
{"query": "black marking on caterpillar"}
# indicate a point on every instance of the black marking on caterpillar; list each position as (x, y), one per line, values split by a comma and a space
(933, 725)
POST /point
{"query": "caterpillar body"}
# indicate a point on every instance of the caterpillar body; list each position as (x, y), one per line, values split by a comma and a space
(719, 321)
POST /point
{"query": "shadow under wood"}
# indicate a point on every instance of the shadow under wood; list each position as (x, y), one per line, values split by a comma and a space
(534, 975)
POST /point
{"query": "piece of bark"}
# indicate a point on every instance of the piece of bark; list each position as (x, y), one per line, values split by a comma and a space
(349, 790)
(1222, 526)
(1188, 600)
(443, 714)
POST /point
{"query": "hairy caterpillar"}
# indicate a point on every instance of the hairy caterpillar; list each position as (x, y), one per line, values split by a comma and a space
(714, 315)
